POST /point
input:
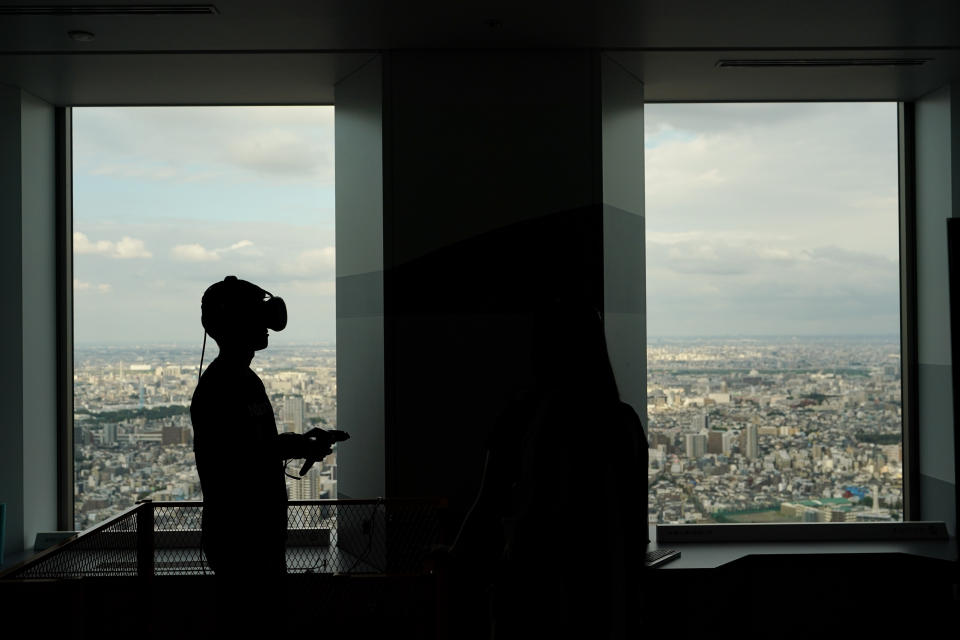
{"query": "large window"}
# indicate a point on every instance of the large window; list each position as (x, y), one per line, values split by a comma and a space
(166, 202)
(773, 312)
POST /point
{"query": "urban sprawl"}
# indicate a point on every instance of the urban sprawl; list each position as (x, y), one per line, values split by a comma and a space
(740, 430)
(775, 430)
(133, 439)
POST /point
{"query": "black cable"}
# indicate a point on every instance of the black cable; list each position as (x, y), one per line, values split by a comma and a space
(286, 463)
(202, 352)
(476, 500)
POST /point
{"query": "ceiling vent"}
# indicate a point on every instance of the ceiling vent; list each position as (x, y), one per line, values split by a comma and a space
(109, 10)
(825, 62)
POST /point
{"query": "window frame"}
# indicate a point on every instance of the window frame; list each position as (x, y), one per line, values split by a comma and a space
(65, 318)
(909, 362)
(63, 132)
(65, 472)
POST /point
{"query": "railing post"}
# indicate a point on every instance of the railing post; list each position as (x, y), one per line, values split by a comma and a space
(145, 539)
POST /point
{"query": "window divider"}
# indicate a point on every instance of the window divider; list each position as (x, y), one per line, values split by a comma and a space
(909, 363)
(63, 131)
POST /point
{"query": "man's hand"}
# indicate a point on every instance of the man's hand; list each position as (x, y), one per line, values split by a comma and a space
(319, 444)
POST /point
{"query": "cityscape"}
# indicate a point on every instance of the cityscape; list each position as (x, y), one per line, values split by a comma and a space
(775, 430)
(133, 439)
(740, 429)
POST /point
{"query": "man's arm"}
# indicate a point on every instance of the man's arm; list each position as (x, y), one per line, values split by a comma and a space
(312, 446)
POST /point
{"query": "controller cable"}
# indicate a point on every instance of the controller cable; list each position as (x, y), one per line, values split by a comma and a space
(476, 501)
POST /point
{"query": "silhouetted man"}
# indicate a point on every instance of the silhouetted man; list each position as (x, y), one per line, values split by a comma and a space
(240, 456)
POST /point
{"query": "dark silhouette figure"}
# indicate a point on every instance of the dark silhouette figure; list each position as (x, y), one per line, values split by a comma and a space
(559, 530)
(241, 458)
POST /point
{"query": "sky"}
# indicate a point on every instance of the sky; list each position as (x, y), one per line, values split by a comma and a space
(169, 200)
(760, 218)
(771, 219)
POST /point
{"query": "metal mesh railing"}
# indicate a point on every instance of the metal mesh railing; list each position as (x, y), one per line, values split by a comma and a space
(323, 536)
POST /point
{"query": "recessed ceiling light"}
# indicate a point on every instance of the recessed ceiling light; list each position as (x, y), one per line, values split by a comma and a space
(81, 36)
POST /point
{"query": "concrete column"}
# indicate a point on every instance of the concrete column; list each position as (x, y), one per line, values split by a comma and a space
(508, 178)
(28, 361)
(624, 241)
(359, 224)
(937, 180)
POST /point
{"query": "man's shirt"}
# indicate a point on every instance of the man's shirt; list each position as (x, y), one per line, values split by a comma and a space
(238, 460)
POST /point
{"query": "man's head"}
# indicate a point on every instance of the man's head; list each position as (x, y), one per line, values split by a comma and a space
(237, 314)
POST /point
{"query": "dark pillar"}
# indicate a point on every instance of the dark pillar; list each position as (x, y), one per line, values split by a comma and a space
(472, 186)
(937, 197)
(28, 318)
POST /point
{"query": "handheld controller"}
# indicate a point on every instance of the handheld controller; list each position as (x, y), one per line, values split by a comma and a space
(322, 441)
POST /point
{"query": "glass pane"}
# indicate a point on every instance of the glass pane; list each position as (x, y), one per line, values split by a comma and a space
(166, 202)
(773, 312)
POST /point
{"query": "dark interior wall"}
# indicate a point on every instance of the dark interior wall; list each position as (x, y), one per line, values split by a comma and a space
(28, 409)
(495, 179)
(359, 238)
(937, 142)
(11, 320)
(479, 141)
(624, 248)
(508, 179)
(38, 207)
(491, 171)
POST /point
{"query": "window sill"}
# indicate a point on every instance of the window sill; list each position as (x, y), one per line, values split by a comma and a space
(709, 552)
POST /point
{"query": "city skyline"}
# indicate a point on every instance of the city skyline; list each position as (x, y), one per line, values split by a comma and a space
(740, 430)
(186, 344)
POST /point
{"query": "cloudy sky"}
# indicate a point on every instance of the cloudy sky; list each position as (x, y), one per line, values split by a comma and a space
(761, 219)
(772, 219)
(170, 200)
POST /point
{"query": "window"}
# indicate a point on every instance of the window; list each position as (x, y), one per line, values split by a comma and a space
(773, 312)
(166, 202)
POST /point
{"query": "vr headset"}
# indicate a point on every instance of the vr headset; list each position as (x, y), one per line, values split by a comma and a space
(235, 301)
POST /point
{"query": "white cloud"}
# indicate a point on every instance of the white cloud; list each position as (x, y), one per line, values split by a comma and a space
(82, 285)
(125, 248)
(83, 245)
(823, 171)
(274, 151)
(193, 253)
(239, 245)
(196, 252)
(130, 248)
(197, 144)
(772, 218)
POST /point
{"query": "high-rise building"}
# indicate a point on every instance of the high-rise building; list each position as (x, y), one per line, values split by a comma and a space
(751, 447)
(696, 445)
(293, 413)
(729, 437)
(307, 487)
(698, 423)
(715, 441)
